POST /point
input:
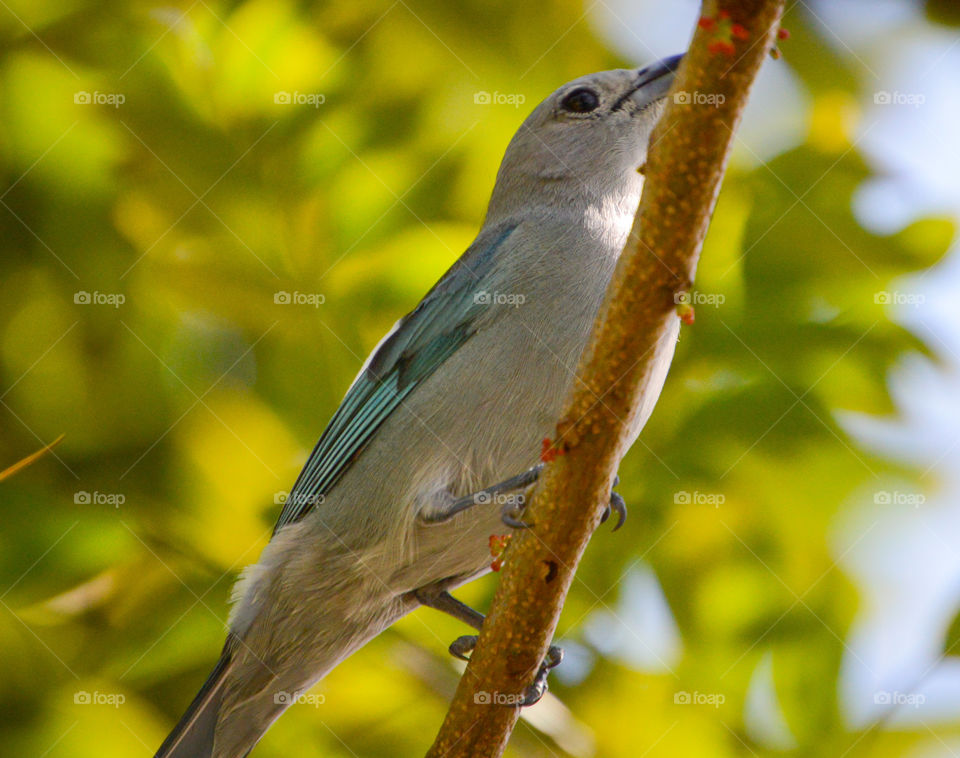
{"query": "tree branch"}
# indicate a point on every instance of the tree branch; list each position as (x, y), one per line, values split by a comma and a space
(636, 330)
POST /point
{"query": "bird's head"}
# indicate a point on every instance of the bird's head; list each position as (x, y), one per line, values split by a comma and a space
(586, 140)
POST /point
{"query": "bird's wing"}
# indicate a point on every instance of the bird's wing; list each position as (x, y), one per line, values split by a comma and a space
(424, 339)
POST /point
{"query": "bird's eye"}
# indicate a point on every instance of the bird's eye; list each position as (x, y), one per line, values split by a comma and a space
(581, 100)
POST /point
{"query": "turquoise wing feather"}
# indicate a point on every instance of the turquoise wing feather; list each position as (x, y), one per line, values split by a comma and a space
(425, 338)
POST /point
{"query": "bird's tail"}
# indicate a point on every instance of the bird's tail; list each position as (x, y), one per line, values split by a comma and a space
(193, 735)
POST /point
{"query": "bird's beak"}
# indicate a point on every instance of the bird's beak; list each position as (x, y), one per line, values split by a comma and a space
(654, 81)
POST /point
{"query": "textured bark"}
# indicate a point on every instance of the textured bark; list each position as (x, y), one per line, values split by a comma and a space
(688, 154)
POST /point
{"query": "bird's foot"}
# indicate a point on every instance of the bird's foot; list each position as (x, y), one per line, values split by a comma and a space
(538, 689)
(464, 645)
(512, 512)
(616, 505)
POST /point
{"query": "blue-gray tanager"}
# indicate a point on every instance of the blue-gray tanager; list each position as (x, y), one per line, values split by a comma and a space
(456, 398)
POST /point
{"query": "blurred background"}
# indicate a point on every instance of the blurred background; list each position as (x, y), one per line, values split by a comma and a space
(212, 211)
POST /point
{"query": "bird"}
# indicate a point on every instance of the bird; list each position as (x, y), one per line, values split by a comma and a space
(414, 472)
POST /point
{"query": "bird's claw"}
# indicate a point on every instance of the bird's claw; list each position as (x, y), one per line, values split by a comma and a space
(617, 504)
(461, 646)
(539, 688)
(511, 514)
